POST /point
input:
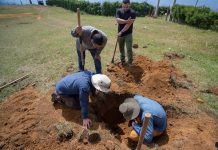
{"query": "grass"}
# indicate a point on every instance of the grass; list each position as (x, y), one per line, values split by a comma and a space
(45, 47)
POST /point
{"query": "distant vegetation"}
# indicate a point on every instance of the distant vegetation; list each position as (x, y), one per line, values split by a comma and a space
(201, 17)
(194, 16)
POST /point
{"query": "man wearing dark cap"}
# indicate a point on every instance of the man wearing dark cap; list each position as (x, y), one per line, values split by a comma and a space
(125, 18)
(93, 40)
(134, 109)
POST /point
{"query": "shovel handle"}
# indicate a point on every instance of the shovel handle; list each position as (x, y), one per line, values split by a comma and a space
(78, 17)
(112, 61)
(144, 128)
(80, 39)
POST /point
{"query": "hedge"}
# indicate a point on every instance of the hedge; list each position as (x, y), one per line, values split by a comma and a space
(106, 9)
(201, 17)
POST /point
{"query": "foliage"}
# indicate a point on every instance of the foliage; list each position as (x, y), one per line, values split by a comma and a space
(107, 8)
(201, 17)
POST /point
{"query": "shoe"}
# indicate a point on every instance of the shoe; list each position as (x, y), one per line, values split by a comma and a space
(56, 98)
(123, 63)
(130, 65)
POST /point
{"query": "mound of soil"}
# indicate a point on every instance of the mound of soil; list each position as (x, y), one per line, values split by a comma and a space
(173, 55)
(28, 118)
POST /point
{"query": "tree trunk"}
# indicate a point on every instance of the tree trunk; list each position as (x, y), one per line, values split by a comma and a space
(157, 7)
(196, 3)
(171, 10)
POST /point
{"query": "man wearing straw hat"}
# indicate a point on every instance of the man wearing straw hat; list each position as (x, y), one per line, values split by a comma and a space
(134, 109)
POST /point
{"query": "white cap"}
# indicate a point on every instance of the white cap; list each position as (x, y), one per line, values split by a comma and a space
(101, 82)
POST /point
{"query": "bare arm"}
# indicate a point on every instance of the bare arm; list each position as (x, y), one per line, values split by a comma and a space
(121, 21)
(126, 27)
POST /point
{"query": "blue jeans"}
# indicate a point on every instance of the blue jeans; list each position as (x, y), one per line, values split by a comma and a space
(93, 52)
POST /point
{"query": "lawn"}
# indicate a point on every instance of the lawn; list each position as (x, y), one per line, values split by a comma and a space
(44, 48)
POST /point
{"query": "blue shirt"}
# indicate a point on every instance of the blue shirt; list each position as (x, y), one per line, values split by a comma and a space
(158, 120)
(77, 84)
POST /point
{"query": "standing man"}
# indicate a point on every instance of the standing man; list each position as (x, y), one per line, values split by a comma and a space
(73, 91)
(93, 40)
(134, 109)
(125, 18)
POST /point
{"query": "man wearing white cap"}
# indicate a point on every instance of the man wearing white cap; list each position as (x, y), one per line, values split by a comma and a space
(73, 91)
(134, 109)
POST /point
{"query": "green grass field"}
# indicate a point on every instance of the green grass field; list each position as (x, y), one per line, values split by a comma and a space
(44, 48)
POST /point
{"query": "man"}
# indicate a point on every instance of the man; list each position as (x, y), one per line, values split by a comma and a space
(125, 18)
(134, 109)
(92, 39)
(73, 91)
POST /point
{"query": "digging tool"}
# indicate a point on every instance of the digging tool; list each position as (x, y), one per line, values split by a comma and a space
(83, 137)
(80, 39)
(112, 61)
(144, 128)
(19, 79)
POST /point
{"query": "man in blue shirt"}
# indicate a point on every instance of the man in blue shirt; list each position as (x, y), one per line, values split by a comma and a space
(73, 91)
(134, 109)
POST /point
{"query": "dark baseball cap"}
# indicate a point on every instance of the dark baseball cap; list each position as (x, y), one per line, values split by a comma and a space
(126, 1)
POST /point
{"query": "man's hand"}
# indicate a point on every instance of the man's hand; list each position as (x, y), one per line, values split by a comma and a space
(79, 30)
(129, 21)
(86, 123)
(119, 34)
(98, 57)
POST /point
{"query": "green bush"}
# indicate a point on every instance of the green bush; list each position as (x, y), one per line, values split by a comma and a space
(107, 8)
(201, 17)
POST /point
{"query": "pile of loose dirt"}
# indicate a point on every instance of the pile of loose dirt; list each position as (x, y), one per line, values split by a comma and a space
(173, 55)
(28, 119)
(20, 15)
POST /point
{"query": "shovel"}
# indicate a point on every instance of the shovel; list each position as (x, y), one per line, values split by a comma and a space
(80, 39)
(112, 61)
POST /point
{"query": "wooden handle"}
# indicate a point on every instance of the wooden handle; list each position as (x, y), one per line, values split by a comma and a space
(21, 78)
(144, 128)
(78, 17)
(112, 61)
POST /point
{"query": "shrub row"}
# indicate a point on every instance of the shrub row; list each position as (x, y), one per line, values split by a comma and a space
(201, 17)
(106, 9)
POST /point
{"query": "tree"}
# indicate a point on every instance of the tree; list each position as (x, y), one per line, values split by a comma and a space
(196, 3)
(157, 7)
(171, 10)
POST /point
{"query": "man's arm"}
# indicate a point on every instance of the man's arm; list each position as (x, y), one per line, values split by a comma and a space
(126, 27)
(121, 21)
(84, 101)
(76, 32)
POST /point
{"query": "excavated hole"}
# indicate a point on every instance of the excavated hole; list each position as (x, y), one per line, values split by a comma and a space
(106, 107)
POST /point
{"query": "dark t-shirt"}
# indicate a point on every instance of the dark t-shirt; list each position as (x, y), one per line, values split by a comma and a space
(125, 15)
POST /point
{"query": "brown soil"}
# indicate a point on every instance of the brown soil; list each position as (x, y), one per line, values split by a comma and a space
(20, 15)
(173, 55)
(28, 118)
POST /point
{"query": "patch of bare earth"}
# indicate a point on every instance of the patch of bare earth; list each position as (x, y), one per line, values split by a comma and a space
(28, 119)
(20, 15)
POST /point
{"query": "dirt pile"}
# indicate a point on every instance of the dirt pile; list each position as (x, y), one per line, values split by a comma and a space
(28, 119)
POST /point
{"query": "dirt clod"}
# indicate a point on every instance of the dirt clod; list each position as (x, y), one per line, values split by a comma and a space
(173, 55)
(135, 46)
(109, 145)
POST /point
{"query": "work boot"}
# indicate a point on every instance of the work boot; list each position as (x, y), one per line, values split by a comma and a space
(56, 98)
(130, 65)
(123, 63)
(134, 136)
